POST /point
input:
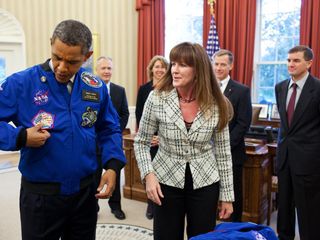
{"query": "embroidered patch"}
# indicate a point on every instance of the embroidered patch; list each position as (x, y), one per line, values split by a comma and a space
(91, 80)
(89, 117)
(90, 96)
(41, 97)
(47, 119)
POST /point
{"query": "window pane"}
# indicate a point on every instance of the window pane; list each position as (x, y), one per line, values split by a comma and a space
(268, 50)
(281, 72)
(279, 23)
(183, 22)
(2, 69)
(266, 95)
(269, 26)
(266, 75)
(269, 6)
(288, 5)
(283, 46)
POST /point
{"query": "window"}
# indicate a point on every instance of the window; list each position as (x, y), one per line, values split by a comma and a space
(278, 29)
(2, 69)
(183, 22)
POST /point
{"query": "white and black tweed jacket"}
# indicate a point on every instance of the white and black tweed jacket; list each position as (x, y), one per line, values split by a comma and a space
(203, 147)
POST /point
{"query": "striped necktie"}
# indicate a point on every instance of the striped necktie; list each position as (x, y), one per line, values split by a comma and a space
(292, 101)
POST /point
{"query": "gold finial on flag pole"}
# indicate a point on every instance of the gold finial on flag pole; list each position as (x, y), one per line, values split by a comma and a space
(212, 5)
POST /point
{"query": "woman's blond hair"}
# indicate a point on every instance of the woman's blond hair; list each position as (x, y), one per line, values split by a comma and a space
(163, 61)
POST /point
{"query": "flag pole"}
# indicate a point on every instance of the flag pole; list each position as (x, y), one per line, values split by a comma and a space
(213, 39)
(212, 4)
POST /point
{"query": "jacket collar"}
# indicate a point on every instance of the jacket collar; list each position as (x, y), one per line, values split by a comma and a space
(172, 108)
(229, 89)
(304, 99)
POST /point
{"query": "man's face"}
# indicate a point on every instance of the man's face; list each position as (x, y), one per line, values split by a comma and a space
(104, 69)
(66, 60)
(297, 65)
(221, 67)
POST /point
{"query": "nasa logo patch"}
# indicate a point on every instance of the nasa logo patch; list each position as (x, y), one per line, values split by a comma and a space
(41, 97)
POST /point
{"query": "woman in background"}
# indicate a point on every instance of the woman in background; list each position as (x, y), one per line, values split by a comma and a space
(155, 70)
(192, 169)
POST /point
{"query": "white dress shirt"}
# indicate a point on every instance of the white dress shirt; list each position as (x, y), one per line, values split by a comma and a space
(224, 83)
(300, 83)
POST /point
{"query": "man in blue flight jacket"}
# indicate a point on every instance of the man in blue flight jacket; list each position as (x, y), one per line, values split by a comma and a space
(59, 111)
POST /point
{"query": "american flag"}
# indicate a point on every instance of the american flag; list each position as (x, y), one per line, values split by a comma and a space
(213, 39)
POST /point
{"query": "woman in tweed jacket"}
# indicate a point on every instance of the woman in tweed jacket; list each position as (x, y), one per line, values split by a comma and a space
(192, 169)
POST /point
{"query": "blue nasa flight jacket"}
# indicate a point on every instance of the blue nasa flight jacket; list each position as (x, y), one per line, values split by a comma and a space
(74, 121)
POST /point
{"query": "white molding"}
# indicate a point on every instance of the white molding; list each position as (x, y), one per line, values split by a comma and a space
(10, 28)
(132, 119)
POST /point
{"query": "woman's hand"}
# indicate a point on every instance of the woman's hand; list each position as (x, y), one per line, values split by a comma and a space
(155, 141)
(153, 188)
(225, 210)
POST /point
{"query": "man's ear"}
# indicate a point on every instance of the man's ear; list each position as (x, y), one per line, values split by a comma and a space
(88, 55)
(309, 64)
(231, 66)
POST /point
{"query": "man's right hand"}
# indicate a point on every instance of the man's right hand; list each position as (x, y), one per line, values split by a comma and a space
(36, 137)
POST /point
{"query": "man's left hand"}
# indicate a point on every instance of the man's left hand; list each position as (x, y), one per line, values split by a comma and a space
(107, 184)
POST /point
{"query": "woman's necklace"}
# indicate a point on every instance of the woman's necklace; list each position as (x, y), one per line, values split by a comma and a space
(185, 100)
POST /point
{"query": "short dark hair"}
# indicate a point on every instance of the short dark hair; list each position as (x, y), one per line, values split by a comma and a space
(307, 52)
(73, 33)
(223, 52)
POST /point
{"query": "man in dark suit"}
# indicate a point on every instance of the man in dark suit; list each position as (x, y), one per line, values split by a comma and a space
(119, 100)
(239, 96)
(298, 155)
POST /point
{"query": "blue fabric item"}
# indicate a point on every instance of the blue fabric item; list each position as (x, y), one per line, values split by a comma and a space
(238, 231)
(74, 121)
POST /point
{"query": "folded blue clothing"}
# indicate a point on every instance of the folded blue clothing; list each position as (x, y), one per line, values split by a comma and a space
(238, 231)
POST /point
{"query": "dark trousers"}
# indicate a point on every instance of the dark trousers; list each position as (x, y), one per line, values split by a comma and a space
(238, 196)
(303, 193)
(286, 207)
(49, 217)
(199, 206)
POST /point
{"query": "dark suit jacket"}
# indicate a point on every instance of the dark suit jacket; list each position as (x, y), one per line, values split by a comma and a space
(299, 144)
(239, 96)
(143, 94)
(120, 103)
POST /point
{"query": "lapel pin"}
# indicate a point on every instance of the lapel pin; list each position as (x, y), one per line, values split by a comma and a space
(43, 79)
